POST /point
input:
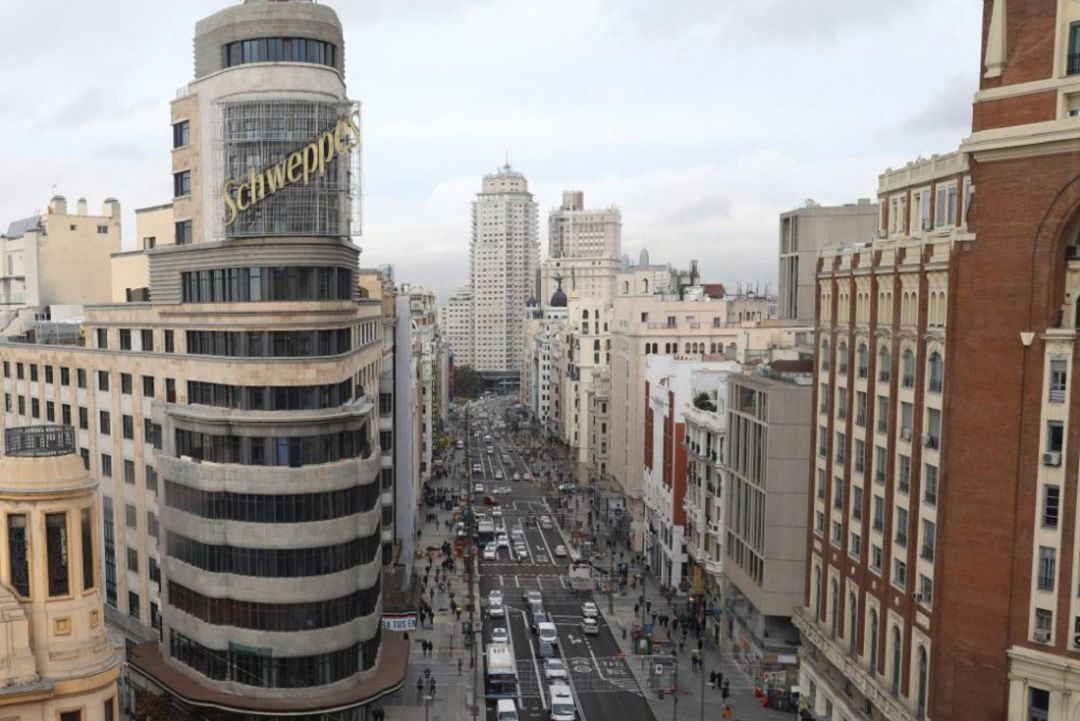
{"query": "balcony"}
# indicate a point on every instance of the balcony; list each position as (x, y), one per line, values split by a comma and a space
(908, 381)
(863, 372)
(935, 385)
(884, 376)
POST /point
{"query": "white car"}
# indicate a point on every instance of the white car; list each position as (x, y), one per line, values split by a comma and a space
(500, 635)
(478, 488)
(532, 597)
(554, 668)
(502, 541)
(560, 551)
(518, 534)
(498, 475)
(545, 631)
(517, 476)
(545, 523)
(589, 610)
(495, 598)
(521, 552)
(589, 626)
(496, 512)
(497, 611)
(506, 490)
(491, 552)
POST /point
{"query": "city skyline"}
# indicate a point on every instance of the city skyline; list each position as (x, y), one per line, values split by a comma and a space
(700, 163)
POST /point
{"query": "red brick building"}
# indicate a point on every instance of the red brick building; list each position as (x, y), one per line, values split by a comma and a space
(1000, 635)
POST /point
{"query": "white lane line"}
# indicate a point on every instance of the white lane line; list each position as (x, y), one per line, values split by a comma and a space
(517, 583)
(536, 666)
(500, 579)
(596, 664)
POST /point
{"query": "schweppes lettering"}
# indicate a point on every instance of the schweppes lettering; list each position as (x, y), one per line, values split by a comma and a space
(301, 166)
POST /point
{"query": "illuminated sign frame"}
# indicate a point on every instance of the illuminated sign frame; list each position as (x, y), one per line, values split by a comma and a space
(300, 166)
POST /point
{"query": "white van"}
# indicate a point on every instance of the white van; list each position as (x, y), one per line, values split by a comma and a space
(562, 703)
(506, 710)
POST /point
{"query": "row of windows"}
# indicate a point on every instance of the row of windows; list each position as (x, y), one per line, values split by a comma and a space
(278, 50)
(292, 451)
(255, 508)
(57, 549)
(270, 398)
(258, 667)
(270, 344)
(278, 283)
(125, 336)
(274, 562)
(275, 616)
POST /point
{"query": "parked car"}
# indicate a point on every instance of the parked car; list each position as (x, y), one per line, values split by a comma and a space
(500, 635)
(491, 552)
(590, 626)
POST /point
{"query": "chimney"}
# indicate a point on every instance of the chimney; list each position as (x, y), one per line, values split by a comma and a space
(573, 200)
(111, 208)
(80, 204)
(58, 205)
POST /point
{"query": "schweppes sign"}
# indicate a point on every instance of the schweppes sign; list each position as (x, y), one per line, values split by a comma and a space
(301, 166)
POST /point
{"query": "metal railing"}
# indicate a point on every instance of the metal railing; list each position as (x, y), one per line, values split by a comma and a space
(39, 441)
(1073, 64)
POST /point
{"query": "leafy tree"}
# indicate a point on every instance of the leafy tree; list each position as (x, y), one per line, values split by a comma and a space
(703, 401)
(467, 382)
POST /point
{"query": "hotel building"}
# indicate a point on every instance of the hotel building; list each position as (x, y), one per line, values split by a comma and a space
(232, 418)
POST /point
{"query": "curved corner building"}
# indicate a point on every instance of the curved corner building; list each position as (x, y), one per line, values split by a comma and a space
(268, 359)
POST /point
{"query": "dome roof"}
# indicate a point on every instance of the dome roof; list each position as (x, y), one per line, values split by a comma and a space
(558, 298)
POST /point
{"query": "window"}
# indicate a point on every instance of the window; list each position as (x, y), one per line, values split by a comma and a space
(908, 380)
(65, 376)
(84, 418)
(883, 414)
(7, 369)
(1055, 436)
(148, 386)
(125, 383)
(56, 546)
(80, 378)
(102, 337)
(1072, 66)
(860, 455)
(106, 465)
(133, 601)
(133, 560)
(35, 408)
(903, 483)
(946, 206)
(860, 408)
(181, 134)
(125, 339)
(104, 423)
(901, 526)
(855, 548)
(89, 538)
(837, 533)
(22, 406)
(875, 557)
(1051, 505)
(1058, 380)
(936, 372)
(128, 426)
(841, 442)
(146, 339)
(18, 558)
(151, 479)
(48, 374)
(33, 372)
(928, 540)
(110, 710)
(1038, 698)
(170, 346)
(821, 484)
(154, 569)
(1047, 568)
(899, 578)
(182, 230)
(131, 516)
(1044, 623)
(129, 471)
(879, 513)
(819, 523)
(863, 361)
(838, 493)
(856, 502)
(151, 525)
(103, 380)
(50, 411)
(181, 183)
(75, 715)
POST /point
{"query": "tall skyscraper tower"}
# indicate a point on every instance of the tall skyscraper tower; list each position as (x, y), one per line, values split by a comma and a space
(505, 254)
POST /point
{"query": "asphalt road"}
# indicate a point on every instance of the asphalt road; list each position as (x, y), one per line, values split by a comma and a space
(601, 682)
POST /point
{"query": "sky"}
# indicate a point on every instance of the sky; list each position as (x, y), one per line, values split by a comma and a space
(701, 120)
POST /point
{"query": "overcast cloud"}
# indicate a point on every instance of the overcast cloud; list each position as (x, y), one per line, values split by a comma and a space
(700, 119)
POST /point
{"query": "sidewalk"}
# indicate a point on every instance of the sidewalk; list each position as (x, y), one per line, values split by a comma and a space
(453, 692)
(689, 688)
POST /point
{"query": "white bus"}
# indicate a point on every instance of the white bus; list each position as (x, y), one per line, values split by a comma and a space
(500, 676)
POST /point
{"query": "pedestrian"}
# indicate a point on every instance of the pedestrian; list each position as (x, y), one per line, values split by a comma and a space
(419, 687)
(725, 691)
(648, 607)
(431, 687)
(636, 607)
(459, 666)
(712, 679)
(653, 615)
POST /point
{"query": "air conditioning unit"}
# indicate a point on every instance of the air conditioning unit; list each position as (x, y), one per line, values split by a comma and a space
(905, 433)
(1042, 635)
(1052, 458)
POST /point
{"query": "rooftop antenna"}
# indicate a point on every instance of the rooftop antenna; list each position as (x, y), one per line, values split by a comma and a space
(507, 165)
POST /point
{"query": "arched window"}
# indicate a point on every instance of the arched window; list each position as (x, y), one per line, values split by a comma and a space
(585, 314)
(884, 363)
(920, 699)
(863, 360)
(908, 381)
(873, 640)
(895, 661)
(834, 607)
(626, 287)
(936, 371)
(853, 619)
(687, 347)
(841, 357)
(824, 354)
(646, 349)
(645, 285)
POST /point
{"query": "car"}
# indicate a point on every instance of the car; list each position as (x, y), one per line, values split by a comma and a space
(500, 635)
(478, 488)
(498, 475)
(554, 668)
(567, 487)
(562, 703)
(589, 626)
(545, 523)
(517, 476)
(491, 450)
(460, 444)
(545, 649)
(491, 501)
(518, 533)
(497, 611)
(521, 552)
(527, 476)
(495, 598)
(532, 595)
(545, 631)
(491, 552)
(502, 541)
(560, 551)
(589, 610)
(477, 469)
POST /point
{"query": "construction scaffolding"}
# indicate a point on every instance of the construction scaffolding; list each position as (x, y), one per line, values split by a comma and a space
(252, 136)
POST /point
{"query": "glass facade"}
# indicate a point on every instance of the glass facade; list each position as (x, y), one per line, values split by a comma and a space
(293, 451)
(277, 283)
(254, 508)
(273, 562)
(278, 50)
(270, 398)
(56, 546)
(18, 561)
(270, 344)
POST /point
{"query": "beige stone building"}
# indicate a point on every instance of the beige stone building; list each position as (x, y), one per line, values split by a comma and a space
(56, 662)
(232, 419)
(131, 269)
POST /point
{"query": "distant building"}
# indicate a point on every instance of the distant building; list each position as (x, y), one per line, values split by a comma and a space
(154, 228)
(456, 322)
(803, 232)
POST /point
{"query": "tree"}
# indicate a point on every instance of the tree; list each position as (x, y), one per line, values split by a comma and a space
(703, 401)
(153, 707)
(467, 382)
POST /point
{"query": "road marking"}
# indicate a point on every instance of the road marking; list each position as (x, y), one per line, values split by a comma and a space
(517, 584)
(596, 663)
(536, 666)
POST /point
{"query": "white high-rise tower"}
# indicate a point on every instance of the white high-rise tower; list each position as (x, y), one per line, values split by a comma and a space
(505, 254)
